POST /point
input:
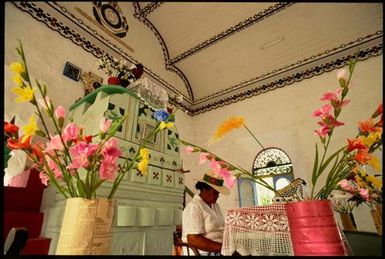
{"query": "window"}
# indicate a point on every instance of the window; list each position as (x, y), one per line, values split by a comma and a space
(274, 165)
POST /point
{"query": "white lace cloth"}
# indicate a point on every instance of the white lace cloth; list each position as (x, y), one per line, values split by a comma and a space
(260, 230)
(152, 94)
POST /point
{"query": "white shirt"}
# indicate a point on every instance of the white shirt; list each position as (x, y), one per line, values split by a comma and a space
(199, 218)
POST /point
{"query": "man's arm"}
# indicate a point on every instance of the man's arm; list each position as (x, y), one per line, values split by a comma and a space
(203, 243)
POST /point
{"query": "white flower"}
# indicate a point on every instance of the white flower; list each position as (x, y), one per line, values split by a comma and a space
(16, 164)
(343, 73)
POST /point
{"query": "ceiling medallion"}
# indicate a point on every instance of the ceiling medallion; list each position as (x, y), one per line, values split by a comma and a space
(110, 16)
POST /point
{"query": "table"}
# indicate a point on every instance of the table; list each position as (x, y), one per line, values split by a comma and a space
(259, 230)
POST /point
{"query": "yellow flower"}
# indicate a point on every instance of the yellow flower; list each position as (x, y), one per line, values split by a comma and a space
(227, 126)
(142, 166)
(359, 181)
(31, 128)
(376, 182)
(167, 125)
(144, 153)
(25, 94)
(374, 162)
(371, 138)
(17, 79)
(17, 67)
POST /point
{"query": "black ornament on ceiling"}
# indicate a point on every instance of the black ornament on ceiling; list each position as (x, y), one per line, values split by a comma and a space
(110, 16)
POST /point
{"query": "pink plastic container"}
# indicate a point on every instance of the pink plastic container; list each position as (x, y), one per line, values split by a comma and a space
(313, 228)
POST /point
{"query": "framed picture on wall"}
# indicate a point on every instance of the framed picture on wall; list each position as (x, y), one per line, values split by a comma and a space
(72, 71)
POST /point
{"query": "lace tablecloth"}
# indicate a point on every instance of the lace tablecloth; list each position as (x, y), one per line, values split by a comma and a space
(260, 230)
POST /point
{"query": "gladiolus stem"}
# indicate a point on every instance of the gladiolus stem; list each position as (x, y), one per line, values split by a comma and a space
(253, 135)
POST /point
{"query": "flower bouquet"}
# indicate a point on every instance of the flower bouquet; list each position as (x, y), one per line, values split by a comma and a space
(119, 72)
(76, 163)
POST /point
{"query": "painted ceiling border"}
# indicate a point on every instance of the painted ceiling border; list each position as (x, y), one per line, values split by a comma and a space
(313, 58)
(143, 12)
(290, 79)
(65, 31)
(163, 45)
(52, 23)
(231, 31)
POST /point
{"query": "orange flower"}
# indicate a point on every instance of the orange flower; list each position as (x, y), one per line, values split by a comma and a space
(10, 128)
(37, 151)
(226, 127)
(367, 126)
(362, 156)
(21, 143)
(355, 144)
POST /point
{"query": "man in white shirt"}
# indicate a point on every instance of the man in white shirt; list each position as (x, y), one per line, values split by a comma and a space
(202, 219)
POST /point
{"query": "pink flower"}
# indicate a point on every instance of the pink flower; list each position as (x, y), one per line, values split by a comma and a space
(104, 125)
(108, 168)
(43, 178)
(54, 144)
(189, 150)
(332, 96)
(323, 111)
(203, 158)
(322, 132)
(330, 121)
(215, 165)
(345, 185)
(111, 148)
(54, 167)
(228, 178)
(364, 193)
(60, 112)
(70, 132)
(80, 153)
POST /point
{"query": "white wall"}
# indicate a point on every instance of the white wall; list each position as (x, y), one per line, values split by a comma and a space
(280, 118)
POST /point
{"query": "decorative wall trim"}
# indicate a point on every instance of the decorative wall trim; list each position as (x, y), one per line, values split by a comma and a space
(52, 23)
(142, 13)
(166, 56)
(297, 77)
(233, 29)
(329, 52)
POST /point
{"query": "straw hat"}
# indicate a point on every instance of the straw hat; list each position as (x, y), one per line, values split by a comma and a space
(214, 181)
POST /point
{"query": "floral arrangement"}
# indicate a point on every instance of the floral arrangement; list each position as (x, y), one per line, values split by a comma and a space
(119, 68)
(339, 165)
(74, 162)
(357, 152)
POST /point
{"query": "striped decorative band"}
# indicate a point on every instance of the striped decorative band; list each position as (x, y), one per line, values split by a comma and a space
(212, 180)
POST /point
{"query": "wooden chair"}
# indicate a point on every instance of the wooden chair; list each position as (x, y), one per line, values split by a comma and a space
(179, 245)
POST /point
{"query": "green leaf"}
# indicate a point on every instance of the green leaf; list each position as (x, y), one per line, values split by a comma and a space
(41, 133)
(96, 186)
(323, 167)
(332, 171)
(315, 166)
(81, 188)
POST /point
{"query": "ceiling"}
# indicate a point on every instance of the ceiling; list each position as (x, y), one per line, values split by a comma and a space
(218, 53)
